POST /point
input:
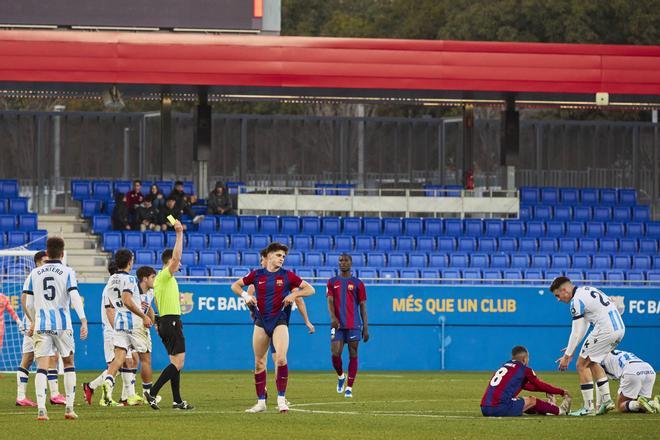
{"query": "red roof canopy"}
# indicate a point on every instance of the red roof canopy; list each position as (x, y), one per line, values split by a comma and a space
(350, 67)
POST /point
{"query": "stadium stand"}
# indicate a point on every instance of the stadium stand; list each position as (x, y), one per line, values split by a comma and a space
(18, 226)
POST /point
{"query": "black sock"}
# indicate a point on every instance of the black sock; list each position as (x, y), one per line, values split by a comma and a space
(176, 392)
(167, 374)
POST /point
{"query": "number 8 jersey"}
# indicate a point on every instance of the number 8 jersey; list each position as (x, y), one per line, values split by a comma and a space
(50, 285)
(597, 309)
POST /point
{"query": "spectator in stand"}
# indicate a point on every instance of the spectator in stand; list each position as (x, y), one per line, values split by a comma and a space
(185, 201)
(133, 199)
(170, 208)
(219, 201)
(147, 216)
(157, 198)
(120, 218)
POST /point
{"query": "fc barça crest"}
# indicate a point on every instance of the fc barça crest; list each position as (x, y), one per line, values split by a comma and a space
(351, 286)
(279, 282)
(187, 302)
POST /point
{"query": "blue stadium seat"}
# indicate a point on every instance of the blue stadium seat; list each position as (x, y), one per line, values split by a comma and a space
(493, 227)
(37, 239)
(207, 225)
(90, 207)
(453, 227)
(575, 229)
(653, 275)
(561, 261)
(248, 224)
(582, 261)
(636, 277)
(563, 213)
(446, 244)
(197, 274)
(331, 225)
(555, 229)
(627, 197)
(291, 225)
(310, 225)
(384, 243)
(459, 260)
(239, 241)
(208, 258)
(589, 196)
(481, 261)
(305, 273)
(16, 238)
(543, 213)
(467, 244)
(229, 258)
(514, 228)
(417, 259)
(326, 273)
(239, 271)
(507, 244)
(196, 241)
(594, 276)
(438, 260)
(549, 196)
(112, 241)
(582, 213)
(145, 258)
(27, 222)
(548, 245)
(525, 213)
(595, 229)
(391, 226)
(474, 227)
(251, 259)
(18, 206)
(648, 246)
(568, 245)
(323, 242)
(388, 274)
(302, 242)
(8, 188)
(344, 243)
(472, 276)
(228, 224)
(614, 229)
(367, 274)
(519, 261)
(641, 213)
(188, 187)
(124, 186)
(621, 262)
(170, 239)
(427, 244)
(529, 195)
(102, 189)
(430, 275)
(188, 258)
(575, 275)
(402, 243)
(133, 240)
(535, 229)
(364, 243)
(359, 260)
(512, 276)
(376, 259)
(528, 244)
(635, 229)
(3, 206)
(409, 275)
(534, 277)
(413, 226)
(569, 196)
(608, 196)
(602, 214)
(315, 259)
(487, 244)
(602, 262)
(218, 241)
(154, 240)
(352, 225)
(293, 259)
(608, 245)
(500, 261)
(80, 190)
(653, 229)
(433, 226)
(540, 261)
(285, 239)
(551, 274)
(259, 241)
(621, 214)
(165, 186)
(451, 276)
(397, 259)
(7, 222)
(628, 245)
(492, 276)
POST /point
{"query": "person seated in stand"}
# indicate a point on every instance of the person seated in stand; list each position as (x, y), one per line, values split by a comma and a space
(169, 209)
(147, 217)
(185, 201)
(219, 201)
(156, 197)
(133, 199)
(120, 217)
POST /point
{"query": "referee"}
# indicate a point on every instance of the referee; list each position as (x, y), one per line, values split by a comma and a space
(170, 328)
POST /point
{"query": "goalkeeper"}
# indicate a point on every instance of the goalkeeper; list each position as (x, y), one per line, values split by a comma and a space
(5, 304)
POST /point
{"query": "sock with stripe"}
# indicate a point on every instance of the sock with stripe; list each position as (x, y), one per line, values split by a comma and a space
(282, 379)
(260, 384)
(603, 389)
(110, 383)
(352, 370)
(146, 387)
(70, 386)
(52, 383)
(587, 390)
(41, 385)
(337, 364)
(131, 388)
(21, 382)
(125, 374)
(98, 381)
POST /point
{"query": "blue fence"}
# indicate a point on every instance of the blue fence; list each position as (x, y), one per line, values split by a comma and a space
(414, 327)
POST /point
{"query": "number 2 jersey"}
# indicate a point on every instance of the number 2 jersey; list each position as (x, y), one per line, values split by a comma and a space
(125, 320)
(510, 379)
(597, 309)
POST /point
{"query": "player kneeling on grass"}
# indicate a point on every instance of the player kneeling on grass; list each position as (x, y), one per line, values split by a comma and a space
(501, 397)
(636, 382)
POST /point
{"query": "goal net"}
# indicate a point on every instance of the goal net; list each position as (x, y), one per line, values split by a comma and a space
(15, 265)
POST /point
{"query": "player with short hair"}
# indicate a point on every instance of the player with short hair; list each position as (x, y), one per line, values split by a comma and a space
(589, 305)
(346, 294)
(636, 379)
(22, 373)
(146, 276)
(272, 308)
(501, 396)
(130, 325)
(52, 290)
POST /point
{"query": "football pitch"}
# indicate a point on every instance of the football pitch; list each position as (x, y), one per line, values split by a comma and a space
(386, 405)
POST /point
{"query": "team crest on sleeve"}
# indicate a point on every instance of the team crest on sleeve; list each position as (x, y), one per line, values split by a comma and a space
(620, 303)
(187, 302)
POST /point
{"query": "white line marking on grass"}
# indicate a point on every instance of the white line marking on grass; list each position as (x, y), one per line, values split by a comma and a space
(358, 402)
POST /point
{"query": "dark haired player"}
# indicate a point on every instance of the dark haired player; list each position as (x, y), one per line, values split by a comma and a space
(272, 308)
(501, 397)
(346, 294)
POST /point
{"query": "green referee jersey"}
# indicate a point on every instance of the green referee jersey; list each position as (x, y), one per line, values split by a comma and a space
(166, 293)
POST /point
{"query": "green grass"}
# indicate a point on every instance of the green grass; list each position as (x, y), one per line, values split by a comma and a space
(397, 405)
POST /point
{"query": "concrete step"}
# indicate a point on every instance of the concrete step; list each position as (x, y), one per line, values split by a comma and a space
(86, 261)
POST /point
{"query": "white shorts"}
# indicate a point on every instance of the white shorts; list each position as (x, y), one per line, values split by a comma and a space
(108, 346)
(137, 340)
(48, 343)
(28, 344)
(637, 380)
(599, 344)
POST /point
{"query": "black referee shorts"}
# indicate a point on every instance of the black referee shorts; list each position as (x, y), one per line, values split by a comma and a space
(170, 330)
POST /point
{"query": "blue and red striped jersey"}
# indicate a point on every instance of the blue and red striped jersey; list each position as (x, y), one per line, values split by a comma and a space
(512, 377)
(271, 288)
(347, 294)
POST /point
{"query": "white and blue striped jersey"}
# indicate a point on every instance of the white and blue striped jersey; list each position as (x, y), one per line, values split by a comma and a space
(147, 297)
(124, 318)
(50, 285)
(597, 309)
(616, 362)
(108, 299)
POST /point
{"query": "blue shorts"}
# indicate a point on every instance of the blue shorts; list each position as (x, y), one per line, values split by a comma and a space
(347, 335)
(269, 324)
(511, 408)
